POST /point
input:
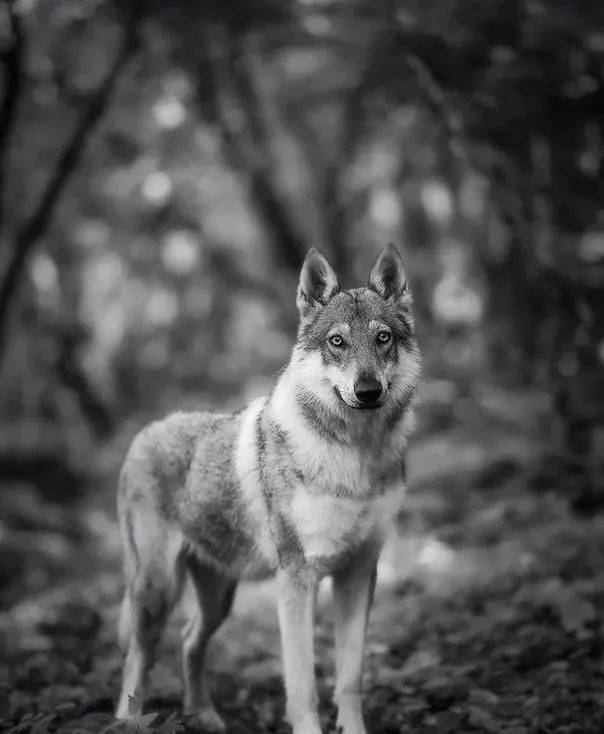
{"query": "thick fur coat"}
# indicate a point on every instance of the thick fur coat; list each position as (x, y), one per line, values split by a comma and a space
(302, 483)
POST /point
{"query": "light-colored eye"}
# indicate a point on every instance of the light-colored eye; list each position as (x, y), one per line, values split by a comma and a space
(384, 337)
(336, 340)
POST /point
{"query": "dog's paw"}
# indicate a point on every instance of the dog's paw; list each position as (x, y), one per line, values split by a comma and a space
(357, 728)
(208, 719)
(306, 725)
(350, 723)
(307, 729)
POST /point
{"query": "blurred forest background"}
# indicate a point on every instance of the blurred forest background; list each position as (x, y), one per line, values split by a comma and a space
(165, 165)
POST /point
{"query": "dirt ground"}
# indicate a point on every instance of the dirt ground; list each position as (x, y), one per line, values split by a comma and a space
(487, 616)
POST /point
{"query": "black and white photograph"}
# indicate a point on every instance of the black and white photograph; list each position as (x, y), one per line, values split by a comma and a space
(302, 366)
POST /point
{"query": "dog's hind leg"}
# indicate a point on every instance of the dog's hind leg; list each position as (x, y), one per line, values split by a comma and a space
(215, 593)
(154, 571)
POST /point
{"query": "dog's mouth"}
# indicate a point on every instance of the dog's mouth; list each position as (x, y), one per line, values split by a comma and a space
(358, 406)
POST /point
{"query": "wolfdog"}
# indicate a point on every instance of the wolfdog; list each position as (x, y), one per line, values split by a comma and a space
(301, 484)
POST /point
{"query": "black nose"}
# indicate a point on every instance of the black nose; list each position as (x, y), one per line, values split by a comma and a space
(367, 389)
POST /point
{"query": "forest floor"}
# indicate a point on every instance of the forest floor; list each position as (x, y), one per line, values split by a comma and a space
(487, 615)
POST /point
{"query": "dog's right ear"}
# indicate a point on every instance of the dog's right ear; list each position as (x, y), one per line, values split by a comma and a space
(318, 283)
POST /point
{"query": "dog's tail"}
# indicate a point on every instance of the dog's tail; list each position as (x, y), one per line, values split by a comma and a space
(130, 564)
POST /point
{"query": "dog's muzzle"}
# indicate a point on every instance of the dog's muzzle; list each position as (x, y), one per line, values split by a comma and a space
(368, 391)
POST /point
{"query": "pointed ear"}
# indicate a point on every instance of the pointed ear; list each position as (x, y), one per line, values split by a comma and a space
(318, 283)
(388, 278)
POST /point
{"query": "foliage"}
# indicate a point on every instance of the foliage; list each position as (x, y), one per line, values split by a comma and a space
(487, 617)
(470, 131)
(163, 168)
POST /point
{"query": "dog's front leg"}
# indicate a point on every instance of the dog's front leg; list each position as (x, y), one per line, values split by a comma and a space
(296, 606)
(353, 593)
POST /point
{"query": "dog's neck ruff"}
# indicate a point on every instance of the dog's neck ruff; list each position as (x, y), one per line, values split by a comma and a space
(319, 426)
(304, 407)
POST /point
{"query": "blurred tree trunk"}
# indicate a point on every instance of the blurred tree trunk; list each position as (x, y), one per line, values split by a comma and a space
(229, 97)
(30, 232)
(544, 302)
(12, 60)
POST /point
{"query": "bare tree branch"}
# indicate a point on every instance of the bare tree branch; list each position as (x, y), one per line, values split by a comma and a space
(436, 100)
(12, 60)
(235, 104)
(73, 376)
(66, 165)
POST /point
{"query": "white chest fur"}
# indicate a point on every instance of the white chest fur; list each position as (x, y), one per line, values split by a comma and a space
(328, 464)
(328, 526)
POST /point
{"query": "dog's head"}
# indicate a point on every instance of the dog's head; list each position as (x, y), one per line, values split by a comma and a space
(358, 346)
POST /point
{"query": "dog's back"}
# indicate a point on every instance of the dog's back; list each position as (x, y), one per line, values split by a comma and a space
(179, 480)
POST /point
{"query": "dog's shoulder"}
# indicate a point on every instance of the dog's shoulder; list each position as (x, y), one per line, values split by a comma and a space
(175, 437)
(166, 450)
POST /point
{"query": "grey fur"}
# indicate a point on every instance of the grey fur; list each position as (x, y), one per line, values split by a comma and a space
(217, 497)
(326, 423)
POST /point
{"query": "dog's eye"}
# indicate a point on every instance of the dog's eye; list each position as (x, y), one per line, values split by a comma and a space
(336, 341)
(384, 337)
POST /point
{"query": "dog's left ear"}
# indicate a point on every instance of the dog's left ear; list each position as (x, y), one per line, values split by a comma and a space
(388, 278)
(318, 283)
